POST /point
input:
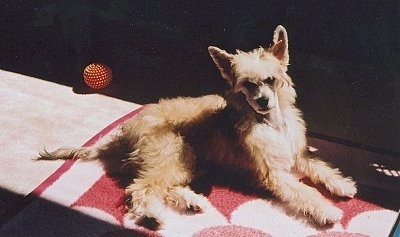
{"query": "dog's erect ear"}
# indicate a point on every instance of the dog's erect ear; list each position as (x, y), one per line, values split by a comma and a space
(223, 61)
(280, 47)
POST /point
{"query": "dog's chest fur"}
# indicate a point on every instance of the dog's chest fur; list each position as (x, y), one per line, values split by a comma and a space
(237, 138)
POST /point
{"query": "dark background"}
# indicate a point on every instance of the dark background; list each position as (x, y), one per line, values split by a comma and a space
(344, 54)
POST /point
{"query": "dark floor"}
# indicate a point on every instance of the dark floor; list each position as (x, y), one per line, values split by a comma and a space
(344, 56)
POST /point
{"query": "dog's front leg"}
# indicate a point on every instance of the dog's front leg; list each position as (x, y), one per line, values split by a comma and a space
(302, 198)
(319, 172)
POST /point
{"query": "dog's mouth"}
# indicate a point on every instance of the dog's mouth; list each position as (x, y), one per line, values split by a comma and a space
(263, 111)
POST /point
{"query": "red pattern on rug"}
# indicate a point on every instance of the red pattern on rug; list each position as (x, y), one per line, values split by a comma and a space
(226, 200)
(106, 195)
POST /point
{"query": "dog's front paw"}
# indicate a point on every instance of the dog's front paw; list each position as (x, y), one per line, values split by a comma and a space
(344, 187)
(328, 215)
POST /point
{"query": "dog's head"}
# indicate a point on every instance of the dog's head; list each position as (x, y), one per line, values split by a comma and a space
(260, 75)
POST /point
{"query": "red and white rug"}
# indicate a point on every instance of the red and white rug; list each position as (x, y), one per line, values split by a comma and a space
(79, 199)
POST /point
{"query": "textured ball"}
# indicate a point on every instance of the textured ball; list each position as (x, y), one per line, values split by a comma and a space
(97, 75)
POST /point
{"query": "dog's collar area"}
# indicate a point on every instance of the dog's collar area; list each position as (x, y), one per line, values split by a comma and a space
(235, 115)
(262, 119)
(265, 119)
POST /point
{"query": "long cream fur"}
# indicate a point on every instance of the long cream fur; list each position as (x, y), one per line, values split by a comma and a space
(255, 127)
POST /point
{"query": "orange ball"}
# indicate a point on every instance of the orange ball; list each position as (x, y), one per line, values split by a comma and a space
(97, 75)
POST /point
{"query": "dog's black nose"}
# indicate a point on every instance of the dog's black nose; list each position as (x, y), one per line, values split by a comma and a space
(262, 102)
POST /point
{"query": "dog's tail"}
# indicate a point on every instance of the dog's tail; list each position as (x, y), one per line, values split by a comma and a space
(114, 153)
(65, 153)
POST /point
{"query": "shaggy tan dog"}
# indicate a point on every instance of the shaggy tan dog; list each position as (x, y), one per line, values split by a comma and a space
(254, 127)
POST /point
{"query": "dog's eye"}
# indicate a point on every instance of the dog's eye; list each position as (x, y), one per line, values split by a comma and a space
(250, 86)
(269, 80)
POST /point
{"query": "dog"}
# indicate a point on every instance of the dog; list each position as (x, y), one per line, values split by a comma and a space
(255, 126)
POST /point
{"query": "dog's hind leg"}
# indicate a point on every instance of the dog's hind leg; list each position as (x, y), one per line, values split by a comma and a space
(319, 172)
(167, 168)
(302, 198)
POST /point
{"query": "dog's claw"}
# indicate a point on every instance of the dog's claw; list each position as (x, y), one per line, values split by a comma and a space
(195, 208)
